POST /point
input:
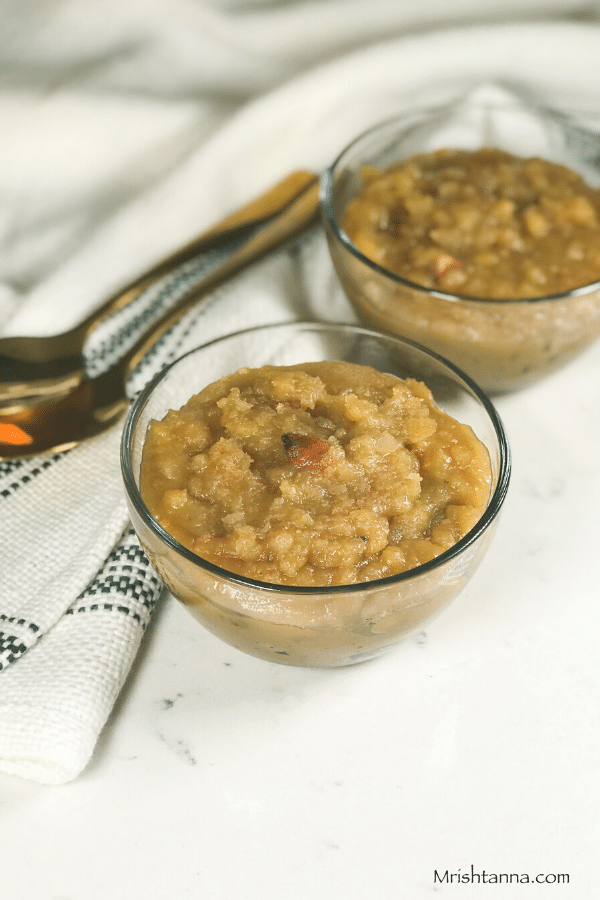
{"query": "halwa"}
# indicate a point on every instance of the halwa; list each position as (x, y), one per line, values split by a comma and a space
(481, 223)
(317, 474)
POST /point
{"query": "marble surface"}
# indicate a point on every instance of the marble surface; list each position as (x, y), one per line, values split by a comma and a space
(475, 743)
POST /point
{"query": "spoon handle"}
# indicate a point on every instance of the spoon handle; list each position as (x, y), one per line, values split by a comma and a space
(233, 228)
(289, 223)
(41, 365)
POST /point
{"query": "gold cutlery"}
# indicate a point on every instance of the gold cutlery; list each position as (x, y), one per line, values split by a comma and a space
(49, 402)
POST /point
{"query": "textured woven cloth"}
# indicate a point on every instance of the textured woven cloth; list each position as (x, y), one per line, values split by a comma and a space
(77, 589)
(138, 157)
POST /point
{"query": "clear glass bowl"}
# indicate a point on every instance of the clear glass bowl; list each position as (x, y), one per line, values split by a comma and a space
(501, 344)
(302, 625)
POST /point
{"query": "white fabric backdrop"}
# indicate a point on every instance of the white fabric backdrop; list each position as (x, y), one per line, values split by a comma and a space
(104, 105)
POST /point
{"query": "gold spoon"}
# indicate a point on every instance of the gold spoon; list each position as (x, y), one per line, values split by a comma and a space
(32, 366)
(48, 402)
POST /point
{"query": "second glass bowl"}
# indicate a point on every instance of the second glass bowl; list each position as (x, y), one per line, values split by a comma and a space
(501, 344)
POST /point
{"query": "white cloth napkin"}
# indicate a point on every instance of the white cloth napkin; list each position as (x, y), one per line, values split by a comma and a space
(116, 194)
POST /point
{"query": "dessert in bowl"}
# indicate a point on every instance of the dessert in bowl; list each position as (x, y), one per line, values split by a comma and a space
(314, 493)
(473, 229)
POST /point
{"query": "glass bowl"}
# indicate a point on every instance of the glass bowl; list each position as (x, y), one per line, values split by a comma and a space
(308, 626)
(502, 344)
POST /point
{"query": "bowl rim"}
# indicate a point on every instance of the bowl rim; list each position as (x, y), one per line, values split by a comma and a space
(326, 204)
(490, 513)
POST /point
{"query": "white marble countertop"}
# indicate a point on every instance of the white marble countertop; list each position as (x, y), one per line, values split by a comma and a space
(474, 744)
